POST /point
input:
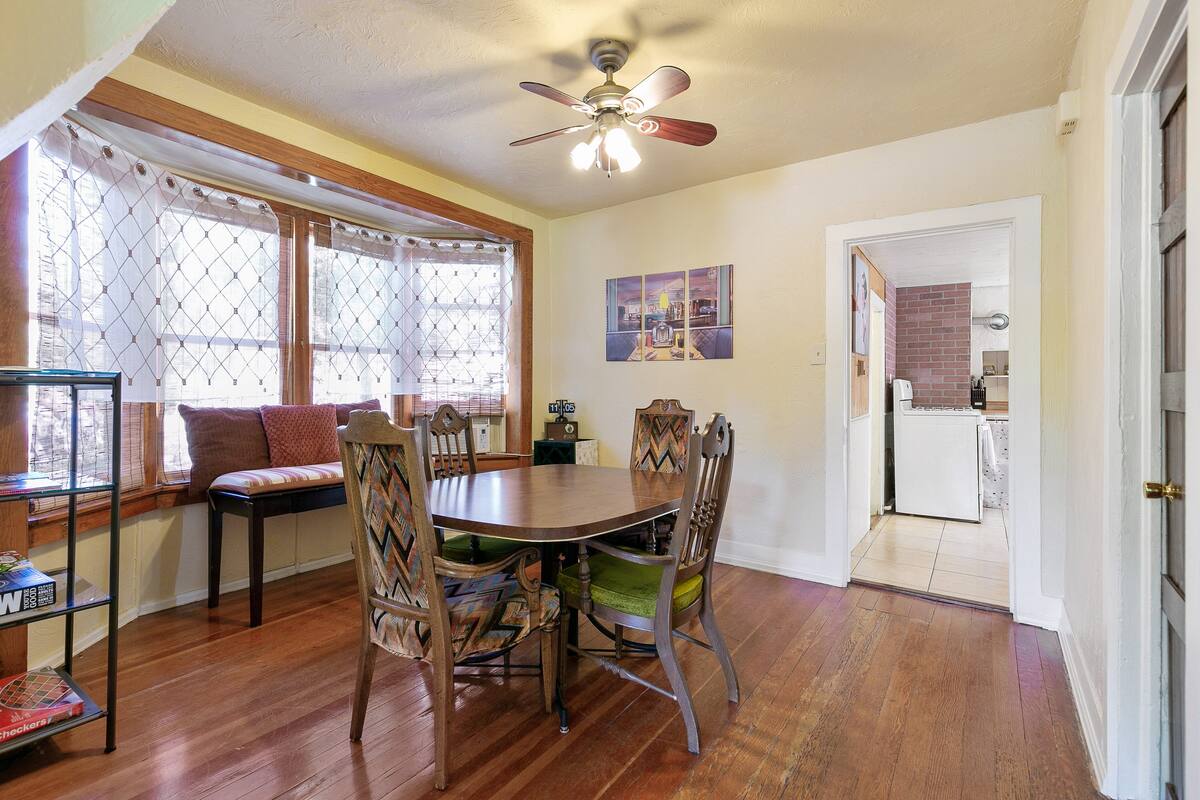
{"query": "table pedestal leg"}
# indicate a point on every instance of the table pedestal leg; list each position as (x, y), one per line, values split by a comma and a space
(556, 556)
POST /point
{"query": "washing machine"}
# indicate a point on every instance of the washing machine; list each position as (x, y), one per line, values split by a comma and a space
(938, 458)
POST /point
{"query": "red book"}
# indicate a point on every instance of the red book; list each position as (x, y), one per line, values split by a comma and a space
(33, 700)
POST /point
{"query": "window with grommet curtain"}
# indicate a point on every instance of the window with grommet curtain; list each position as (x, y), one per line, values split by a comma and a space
(134, 269)
(393, 314)
(187, 289)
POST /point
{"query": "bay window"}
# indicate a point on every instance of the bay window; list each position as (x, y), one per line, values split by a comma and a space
(190, 291)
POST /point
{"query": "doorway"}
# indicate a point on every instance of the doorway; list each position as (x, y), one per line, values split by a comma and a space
(940, 531)
(1022, 219)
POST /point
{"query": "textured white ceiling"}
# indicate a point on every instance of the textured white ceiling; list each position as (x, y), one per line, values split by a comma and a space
(434, 82)
(978, 256)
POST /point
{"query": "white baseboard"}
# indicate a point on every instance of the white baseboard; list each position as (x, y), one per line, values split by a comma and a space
(1087, 701)
(87, 640)
(242, 583)
(1044, 612)
(92, 637)
(777, 561)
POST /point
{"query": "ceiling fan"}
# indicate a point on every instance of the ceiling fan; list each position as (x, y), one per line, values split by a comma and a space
(612, 107)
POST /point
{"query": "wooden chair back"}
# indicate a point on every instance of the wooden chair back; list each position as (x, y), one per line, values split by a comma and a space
(404, 606)
(448, 444)
(694, 539)
(661, 432)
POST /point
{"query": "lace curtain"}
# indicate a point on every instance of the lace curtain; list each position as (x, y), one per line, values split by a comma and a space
(140, 271)
(407, 315)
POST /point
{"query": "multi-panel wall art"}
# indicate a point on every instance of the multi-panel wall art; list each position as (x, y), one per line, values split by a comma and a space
(670, 316)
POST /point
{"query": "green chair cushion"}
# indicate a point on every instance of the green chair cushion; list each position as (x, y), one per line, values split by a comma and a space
(625, 587)
(458, 548)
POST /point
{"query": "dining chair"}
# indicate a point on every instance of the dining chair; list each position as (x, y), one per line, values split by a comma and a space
(416, 603)
(661, 593)
(661, 432)
(449, 451)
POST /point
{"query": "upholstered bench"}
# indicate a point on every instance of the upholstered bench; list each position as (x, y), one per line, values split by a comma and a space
(263, 462)
(257, 494)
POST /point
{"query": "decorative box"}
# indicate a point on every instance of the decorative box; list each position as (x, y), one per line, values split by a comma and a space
(580, 451)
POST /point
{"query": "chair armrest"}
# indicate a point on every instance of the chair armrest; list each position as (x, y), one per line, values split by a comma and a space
(399, 609)
(635, 558)
(454, 569)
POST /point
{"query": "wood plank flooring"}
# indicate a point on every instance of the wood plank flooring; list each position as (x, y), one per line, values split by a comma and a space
(846, 693)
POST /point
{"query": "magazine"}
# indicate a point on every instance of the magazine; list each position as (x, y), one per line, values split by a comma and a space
(22, 587)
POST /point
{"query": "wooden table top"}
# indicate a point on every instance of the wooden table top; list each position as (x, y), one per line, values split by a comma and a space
(552, 502)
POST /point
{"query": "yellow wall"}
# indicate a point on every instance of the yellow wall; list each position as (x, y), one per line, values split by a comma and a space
(771, 226)
(53, 51)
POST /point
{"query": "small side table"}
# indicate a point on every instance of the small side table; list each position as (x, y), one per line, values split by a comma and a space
(554, 451)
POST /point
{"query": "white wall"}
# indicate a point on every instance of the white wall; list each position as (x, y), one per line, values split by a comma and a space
(987, 300)
(770, 225)
(1086, 604)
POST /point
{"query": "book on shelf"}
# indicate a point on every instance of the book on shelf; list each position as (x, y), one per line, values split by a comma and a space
(23, 482)
(33, 700)
(22, 587)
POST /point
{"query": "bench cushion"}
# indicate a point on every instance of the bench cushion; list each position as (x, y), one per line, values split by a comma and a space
(279, 479)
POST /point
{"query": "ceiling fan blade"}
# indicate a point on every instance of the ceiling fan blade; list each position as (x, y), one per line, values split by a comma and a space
(550, 93)
(678, 130)
(662, 84)
(548, 135)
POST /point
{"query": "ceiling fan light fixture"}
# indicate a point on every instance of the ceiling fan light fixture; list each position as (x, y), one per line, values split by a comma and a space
(619, 147)
(583, 155)
(610, 108)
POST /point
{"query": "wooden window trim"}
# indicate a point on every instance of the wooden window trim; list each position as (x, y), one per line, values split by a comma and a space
(51, 526)
(150, 113)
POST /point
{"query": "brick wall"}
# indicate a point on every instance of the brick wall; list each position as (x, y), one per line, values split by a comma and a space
(933, 343)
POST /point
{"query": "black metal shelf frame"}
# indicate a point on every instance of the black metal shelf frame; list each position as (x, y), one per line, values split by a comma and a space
(77, 381)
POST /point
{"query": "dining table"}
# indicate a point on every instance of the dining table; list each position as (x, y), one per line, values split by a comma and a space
(552, 504)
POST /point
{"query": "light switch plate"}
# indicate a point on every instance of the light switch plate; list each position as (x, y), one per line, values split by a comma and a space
(817, 355)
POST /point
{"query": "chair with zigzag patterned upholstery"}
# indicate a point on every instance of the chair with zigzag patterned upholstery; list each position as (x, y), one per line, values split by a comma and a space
(661, 433)
(418, 604)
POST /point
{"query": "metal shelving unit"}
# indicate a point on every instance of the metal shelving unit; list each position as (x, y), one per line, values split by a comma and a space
(73, 593)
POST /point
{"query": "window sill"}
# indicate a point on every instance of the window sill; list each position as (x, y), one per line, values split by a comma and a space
(51, 526)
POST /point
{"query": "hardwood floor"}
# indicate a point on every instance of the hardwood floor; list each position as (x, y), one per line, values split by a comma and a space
(847, 693)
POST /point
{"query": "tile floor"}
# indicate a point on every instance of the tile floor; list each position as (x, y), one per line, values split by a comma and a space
(961, 560)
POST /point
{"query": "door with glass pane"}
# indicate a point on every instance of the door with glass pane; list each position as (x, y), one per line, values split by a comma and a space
(1169, 488)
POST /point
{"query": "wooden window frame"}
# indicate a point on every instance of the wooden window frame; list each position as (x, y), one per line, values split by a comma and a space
(150, 113)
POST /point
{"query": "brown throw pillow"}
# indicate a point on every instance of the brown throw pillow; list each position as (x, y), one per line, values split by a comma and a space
(301, 435)
(344, 409)
(223, 440)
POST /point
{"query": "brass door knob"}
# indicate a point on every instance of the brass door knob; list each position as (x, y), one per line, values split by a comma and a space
(1158, 491)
